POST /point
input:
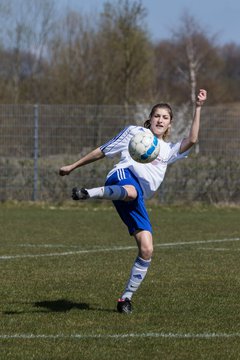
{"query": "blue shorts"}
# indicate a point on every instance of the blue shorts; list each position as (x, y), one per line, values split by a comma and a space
(133, 213)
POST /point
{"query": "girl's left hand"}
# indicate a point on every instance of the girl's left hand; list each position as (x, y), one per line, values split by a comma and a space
(202, 96)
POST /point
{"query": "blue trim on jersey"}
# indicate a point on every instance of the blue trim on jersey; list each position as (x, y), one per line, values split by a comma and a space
(114, 140)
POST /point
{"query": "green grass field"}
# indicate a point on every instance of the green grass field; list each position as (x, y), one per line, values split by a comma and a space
(63, 268)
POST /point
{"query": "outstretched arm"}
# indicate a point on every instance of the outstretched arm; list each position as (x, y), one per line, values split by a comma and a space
(87, 159)
(192, 138)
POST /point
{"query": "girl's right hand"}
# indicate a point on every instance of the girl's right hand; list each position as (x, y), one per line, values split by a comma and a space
(65, 170)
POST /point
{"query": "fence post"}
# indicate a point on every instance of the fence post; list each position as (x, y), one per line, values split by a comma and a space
(35, 153)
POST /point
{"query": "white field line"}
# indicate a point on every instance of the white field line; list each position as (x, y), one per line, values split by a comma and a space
(115, 248)
(217, 249)
(132, 247)
(121, 336)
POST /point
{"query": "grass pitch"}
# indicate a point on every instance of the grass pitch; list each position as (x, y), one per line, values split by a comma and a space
(63, 268)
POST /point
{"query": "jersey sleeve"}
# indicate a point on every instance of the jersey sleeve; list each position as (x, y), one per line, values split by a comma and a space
(174, 152)
(119, 143)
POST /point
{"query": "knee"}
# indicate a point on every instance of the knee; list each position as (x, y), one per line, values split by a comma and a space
(131, 193)
(145, 244)
(146, 252)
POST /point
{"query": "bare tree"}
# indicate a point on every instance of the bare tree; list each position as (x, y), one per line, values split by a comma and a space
(71, 56)
(25, 31)
(193, 48)
(127, 51)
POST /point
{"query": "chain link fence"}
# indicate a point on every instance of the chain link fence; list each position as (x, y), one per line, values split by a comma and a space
(36, 140)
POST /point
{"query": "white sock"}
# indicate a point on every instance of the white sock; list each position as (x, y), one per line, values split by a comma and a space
(113, 192)
(138, 273)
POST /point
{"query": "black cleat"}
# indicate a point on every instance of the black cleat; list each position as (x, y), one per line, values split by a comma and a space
(124, 306)
(79, 194)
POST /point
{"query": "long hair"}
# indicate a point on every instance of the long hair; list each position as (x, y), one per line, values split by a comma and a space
(147, 123)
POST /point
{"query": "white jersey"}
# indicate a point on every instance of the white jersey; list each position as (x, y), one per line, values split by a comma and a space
(151, 175)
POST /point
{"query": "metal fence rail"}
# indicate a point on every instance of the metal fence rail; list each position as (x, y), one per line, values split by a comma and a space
(35, 140)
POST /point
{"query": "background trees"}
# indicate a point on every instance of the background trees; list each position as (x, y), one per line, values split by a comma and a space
(126, 53)
(26, 26)
(230, 74)
(108, 58)
(187, 61)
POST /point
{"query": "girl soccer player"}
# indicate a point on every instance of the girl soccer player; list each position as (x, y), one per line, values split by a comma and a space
(129, 183)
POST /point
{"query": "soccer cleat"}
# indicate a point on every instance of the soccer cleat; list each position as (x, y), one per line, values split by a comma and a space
(124, 306)
(79, 194)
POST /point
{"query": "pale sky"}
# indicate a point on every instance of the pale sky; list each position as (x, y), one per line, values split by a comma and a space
(219, 17)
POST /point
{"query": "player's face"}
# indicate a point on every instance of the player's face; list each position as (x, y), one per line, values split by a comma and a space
(160, 122)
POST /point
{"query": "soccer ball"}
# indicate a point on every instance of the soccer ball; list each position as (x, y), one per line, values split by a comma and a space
(144, 147)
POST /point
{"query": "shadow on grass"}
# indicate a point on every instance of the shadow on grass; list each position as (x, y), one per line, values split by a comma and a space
(61, 305)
